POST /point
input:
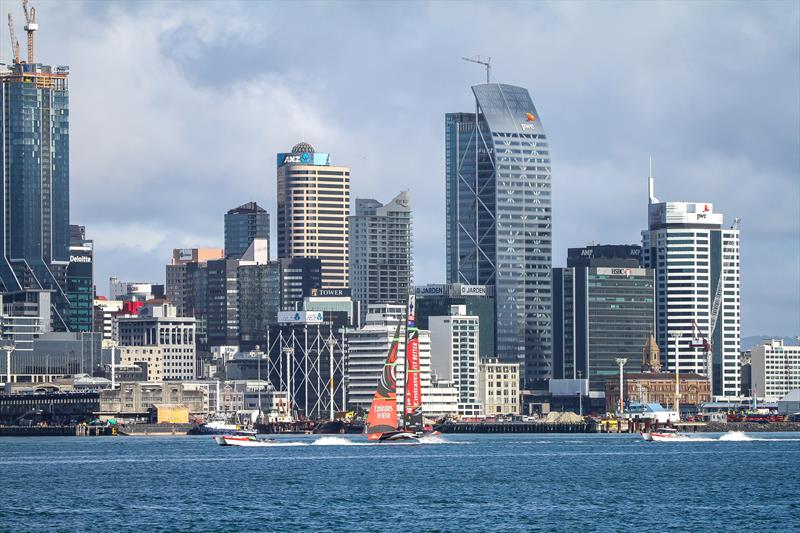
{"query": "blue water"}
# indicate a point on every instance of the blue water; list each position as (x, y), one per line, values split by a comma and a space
(461, 483)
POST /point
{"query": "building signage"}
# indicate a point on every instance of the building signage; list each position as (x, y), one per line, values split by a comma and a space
(80, 259)
(473, 290)
(300, 317)
(627, 272)
(330, 292)
(429, 290)
(304, 158)
(185, 254)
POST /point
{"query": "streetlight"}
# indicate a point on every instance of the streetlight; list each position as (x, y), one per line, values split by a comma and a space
(258, 354)
(621, 362)
(8, 347)
(331, 343)
(580, 393)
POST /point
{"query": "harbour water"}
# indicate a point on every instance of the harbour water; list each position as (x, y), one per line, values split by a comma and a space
(523, 482)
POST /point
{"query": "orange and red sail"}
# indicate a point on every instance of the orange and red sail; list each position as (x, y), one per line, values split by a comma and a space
(383, 412)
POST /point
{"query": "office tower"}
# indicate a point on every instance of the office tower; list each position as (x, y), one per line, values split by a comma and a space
(313, 211)
(696, 263)
(182, 277)
(79, 288)
(380, 250)
(222, 322)
(497, 163)
(454, 356)
(499, 388)
(162, 340)
(34, 213)
(437, 300)
(104, 311)
(603, 308)
(243, 225)
(259, 302)
(300, 277)
(775, 370)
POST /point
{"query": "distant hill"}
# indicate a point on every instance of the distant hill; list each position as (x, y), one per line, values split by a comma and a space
(749, 342)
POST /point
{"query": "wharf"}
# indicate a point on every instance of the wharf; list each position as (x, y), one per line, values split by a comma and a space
(516, 427)
(132, 430)
(55, 431)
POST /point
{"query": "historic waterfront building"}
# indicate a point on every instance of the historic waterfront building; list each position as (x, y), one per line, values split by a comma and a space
(499, 219)
(313, 212)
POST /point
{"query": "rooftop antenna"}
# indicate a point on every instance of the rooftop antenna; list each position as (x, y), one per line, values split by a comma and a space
(651, 184)
(14, 41)
(479, 61)
(30, 27)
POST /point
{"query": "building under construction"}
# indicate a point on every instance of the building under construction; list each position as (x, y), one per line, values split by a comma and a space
(34, 214)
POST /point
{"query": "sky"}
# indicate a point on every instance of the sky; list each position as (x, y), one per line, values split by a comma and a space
(177, 110)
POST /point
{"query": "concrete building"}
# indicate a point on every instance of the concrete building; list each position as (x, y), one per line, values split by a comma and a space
(499, 388)
(367, 348)
(775, 370)
(694, 257)
(313, 211)
(43, 357)
(499, 219)
(135, 400)
(243, 225)
(454, 356)
(437, 300)
(104, 316)
(34, 213)
(603, 308)
(381, 264)
(243, 395)
(162, 340)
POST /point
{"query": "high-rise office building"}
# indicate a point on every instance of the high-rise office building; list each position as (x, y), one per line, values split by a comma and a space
(79, 287)
(380, 250)
(259, 302)
(183, 278)
(603, 308)
(690, 251)
(499, 219)
(34, 213)
(313, 211)
(243, 225)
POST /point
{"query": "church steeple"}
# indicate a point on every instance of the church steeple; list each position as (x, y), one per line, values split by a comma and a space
(651, 356)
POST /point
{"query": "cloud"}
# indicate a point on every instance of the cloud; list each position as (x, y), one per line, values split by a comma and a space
(177, 112)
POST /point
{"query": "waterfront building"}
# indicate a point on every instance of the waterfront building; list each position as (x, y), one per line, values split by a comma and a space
(79, 288)
(367, 348)
(499, 219)
(162, 340)
(53, 407)
(499, 388)
(39, 357)
(135, 400)
(775, 369)
(437, 300)
(603, 308)
(313, 211)
(243, 225)
(454, 356)
(243, 395)
(690, 251)
(652, 387)
(34, 213)
(381, 265)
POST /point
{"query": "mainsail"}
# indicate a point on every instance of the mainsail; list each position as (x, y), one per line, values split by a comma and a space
(383, 412)
(412, 398)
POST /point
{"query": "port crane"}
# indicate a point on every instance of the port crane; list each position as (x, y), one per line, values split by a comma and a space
(479, 61)
(704, 342)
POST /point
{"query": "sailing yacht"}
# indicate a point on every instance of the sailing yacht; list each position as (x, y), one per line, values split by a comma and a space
(383, 423)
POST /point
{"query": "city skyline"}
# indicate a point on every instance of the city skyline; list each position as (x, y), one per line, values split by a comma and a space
(699, 147)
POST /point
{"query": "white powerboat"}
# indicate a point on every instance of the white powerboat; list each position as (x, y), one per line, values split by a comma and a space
(246, 441)
(662, 435)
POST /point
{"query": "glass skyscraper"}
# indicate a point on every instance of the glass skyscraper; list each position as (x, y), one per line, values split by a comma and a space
(499, 219)
(243, 225)
(35, 175)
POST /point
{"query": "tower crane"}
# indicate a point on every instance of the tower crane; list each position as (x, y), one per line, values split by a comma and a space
(14, 41)
(700, 341)
(479, 61)
(30, 27)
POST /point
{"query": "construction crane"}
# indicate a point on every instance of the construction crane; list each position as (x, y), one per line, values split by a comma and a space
(479, 61)
(30, 27)
(700, 341)
(14, 41)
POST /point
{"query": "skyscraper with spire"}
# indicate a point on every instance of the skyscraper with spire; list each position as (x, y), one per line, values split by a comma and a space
(696, 262)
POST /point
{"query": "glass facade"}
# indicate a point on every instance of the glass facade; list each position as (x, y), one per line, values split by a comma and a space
(35, 176)
(242, 225)
(499, 219)
(259, 302)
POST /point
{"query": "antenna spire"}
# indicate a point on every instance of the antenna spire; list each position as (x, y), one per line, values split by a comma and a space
(651, 184)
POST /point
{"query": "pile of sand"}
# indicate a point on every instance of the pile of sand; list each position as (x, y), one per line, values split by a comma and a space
(562, 418)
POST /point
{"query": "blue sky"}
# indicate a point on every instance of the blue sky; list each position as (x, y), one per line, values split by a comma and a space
(178, 109)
